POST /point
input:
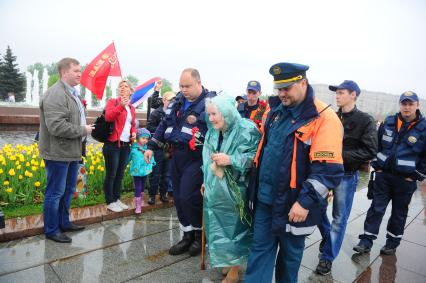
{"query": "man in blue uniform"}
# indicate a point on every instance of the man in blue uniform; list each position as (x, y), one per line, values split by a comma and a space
(400, 162)
(299, 159)
(182, 115)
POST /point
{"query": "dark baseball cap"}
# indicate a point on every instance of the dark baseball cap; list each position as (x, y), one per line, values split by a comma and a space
(254, 85)
(408, 95)
(347, 84)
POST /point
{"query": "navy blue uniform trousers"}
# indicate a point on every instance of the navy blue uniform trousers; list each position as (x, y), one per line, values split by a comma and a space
(187, 179)
(388, 187)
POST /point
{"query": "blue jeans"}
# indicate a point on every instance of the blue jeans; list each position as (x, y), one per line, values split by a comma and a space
(61, 182)
(263, 252)
(116, 159)
(333, 234)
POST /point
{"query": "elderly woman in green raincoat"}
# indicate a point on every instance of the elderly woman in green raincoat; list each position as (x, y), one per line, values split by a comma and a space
(229, 148)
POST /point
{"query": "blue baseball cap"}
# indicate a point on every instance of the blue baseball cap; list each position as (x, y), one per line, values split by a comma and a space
(347, 84)
(254, 85)
(408, 95)
(286, 74)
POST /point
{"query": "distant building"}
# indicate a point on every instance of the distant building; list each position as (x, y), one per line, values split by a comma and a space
(378, 104)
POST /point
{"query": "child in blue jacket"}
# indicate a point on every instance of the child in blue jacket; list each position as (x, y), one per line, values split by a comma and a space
(139, 169)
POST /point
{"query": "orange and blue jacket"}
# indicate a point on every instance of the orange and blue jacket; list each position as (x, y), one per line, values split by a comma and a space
(314, 168)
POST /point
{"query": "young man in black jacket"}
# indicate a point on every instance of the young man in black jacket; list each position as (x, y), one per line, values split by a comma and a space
(359, 147)
(158, 179)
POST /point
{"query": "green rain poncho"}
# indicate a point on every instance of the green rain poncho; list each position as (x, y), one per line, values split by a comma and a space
(228, 238)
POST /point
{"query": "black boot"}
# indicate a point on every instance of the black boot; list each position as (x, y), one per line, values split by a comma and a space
(195, 247)
(164, 198)
(151, 200)
(183, 245)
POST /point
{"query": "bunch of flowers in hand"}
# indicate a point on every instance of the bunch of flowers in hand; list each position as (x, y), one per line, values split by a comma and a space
(259, 112)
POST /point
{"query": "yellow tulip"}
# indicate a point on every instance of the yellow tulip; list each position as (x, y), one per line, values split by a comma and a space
(1, 171)
(12, 172)
(37, 184)
(19, 167)
(9, 190)
(6, 183)
(27, 164)
(20, 177)
(34, 168)
(42, 163)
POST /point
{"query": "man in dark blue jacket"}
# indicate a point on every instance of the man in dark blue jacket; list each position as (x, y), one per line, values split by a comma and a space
(299, 159)
(183, 116)
(400, 162)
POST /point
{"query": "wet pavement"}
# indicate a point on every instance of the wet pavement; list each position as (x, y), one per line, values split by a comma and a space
(134, 249)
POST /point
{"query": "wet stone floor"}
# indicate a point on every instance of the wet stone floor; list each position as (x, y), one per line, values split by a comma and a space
(136, 250)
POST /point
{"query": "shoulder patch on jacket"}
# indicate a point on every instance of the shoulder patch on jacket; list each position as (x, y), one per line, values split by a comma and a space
(324, 154)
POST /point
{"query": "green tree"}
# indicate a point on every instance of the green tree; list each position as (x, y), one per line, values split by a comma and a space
(167, 86)
(133, 80)
(52, 80)
(11, 80)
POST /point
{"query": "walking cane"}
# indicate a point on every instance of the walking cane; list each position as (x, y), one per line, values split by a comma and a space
(203, 245)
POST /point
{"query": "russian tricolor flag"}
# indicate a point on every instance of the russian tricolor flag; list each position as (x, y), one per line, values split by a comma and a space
(143, 91)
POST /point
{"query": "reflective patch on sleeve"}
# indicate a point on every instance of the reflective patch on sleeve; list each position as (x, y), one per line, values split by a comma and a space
(168, 130)
(318, 187)
(297, 231)
(387, 138)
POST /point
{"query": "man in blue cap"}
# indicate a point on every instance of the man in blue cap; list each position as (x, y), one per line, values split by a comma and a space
(400, 162)
(359, 147)
(298, 159)
(250, 107)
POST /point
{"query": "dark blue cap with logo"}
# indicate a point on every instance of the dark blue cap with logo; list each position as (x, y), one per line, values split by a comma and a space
(254, 85)
(409, 95)
(347, 84)
(286, 74)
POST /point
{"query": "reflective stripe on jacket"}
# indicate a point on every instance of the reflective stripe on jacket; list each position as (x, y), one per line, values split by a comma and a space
(402, 150)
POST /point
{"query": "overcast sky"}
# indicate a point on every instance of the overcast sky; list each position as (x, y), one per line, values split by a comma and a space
(379, 44)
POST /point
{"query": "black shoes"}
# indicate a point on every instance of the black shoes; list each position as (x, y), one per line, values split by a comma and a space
(324, 267)
(164, 199)
(195, 247)
(183, 245)
(59, 237)
(360, 248)
(385, 250)
(151, 200)
(72, 227)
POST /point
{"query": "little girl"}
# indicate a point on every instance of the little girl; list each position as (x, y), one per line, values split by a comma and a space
(139, 169)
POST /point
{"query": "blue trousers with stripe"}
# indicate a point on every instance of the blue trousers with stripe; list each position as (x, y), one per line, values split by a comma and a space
(387, 188)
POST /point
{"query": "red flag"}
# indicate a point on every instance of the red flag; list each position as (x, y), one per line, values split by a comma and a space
(96, 73)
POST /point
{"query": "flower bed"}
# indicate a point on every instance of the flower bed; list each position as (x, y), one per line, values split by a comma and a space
(23, 179)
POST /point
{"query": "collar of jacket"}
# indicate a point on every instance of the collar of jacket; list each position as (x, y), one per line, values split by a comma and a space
(309, 110)
(346, 114)
(181, 98)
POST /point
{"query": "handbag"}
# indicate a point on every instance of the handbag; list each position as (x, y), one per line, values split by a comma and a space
(103, 129)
